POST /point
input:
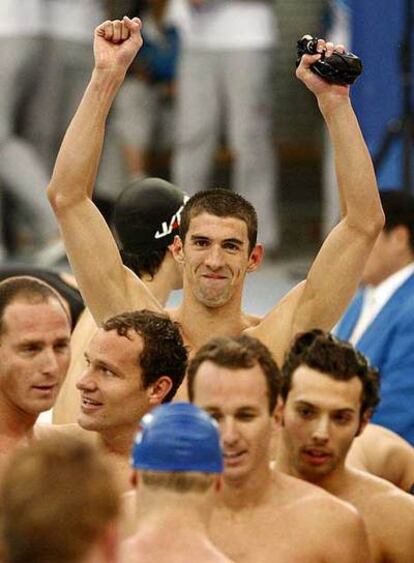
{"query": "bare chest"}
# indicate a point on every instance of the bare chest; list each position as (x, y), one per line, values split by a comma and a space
(261, 536)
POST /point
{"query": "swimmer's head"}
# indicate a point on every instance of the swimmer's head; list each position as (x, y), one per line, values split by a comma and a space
(178, 437)
(146, 218)
(223, 203)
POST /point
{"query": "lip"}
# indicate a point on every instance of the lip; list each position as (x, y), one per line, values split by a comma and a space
(214, 277)
(44, 389)
(233, 459)
(89, 405)
(315, 456)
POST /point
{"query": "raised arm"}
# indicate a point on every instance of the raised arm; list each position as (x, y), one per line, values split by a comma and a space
(106, 285)
(337, 269)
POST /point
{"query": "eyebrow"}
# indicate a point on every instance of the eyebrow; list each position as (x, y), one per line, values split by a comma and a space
(301, 402)
(205, 237)
(103, 363)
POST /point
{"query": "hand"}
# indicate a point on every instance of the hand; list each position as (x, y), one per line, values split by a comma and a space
(315, 83)
(116, 43)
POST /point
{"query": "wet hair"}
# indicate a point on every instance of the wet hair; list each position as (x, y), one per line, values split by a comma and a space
(221, 203)
(146, 262)
(241, 352)
(163, 354)
(57, 497)
(398, 208)
(335, 358)
(27, 289)
(179, 482)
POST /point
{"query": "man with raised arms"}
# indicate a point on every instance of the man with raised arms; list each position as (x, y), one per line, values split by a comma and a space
(217, 247)
(329, 392)
(264, 515)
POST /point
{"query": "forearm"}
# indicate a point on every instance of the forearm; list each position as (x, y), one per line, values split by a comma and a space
(77, 163)
(357, 184)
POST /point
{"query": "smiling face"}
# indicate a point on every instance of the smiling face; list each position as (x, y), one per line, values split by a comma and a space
(34, 354)
(321, 417)
(238, 400)
(112, 395)
(216, 258)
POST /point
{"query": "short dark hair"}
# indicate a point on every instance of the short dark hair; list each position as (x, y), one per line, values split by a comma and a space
(28, 289)
(57, 497)
(240, 352)
(335, 358)
(164, 353)
(221, 203)
(147, 262)
(398, 208)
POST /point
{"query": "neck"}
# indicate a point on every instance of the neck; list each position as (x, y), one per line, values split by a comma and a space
(165, 280)
(171, 516)
(200, 322)
(118, 441)
(249, 490)
(333, 482)
(14, 422)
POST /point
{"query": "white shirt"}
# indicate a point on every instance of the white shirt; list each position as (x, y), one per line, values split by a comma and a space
(20, 17)
(226, 24)
(74, 20)
(376, 297)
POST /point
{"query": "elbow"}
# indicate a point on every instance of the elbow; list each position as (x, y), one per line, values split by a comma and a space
(371, 224)
(57, 199)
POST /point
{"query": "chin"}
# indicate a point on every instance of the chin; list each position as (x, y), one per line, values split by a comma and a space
(86, 423)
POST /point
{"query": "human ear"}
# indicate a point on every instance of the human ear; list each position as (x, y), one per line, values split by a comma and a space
(255, 258)
(159, 389)
(177, 249)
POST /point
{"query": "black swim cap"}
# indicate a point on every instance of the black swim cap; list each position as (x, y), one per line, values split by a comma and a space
(147, 214)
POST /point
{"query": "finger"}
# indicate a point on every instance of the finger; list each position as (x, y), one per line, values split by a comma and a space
(321, 46)
(340, 48)
(133, 25)
(329, 48)
(117, 27)
(104, 28)
(305, 63)
(124, 31)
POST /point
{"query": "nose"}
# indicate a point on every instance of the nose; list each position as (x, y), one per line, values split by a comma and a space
(49, 362)
(214, 257)
(86, 381)
(228, 430)
(320, 432)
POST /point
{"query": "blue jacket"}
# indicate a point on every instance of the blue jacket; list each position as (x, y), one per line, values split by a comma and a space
(388, 342)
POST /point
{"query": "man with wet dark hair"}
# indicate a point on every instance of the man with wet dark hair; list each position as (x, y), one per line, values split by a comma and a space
(329, 392)
(218, 249)
(146, 219)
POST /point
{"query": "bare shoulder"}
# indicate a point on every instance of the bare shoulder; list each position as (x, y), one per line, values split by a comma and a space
(42, 431)
(333, 514)
(275, 329)
(128, 514)
(383, 453)
(297, 493)
(389, 514)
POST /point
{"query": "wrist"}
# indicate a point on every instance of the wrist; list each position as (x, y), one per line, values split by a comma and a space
(329, 103)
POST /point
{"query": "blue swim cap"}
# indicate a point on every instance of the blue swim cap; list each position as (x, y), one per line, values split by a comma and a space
(178, 437)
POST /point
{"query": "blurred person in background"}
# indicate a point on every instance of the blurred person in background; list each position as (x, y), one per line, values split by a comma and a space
(22, 173)
(59, 504)
(144, 108)
(380, 319)
(225, 85)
